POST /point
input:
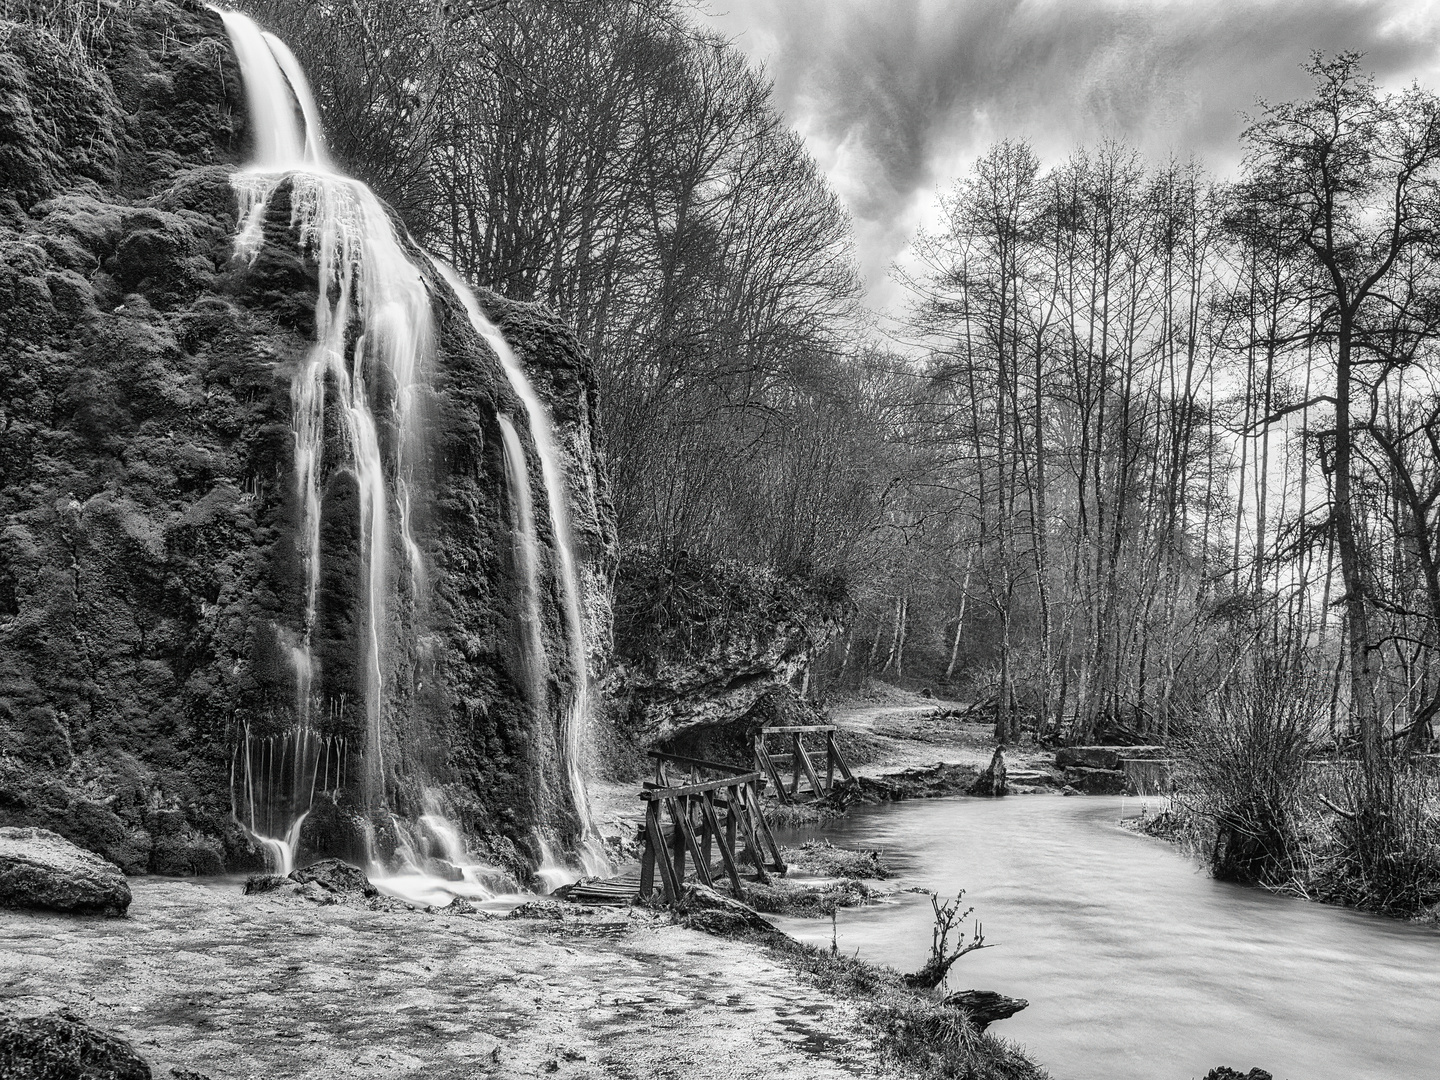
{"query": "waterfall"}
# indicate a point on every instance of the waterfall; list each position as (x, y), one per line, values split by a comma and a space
(527, 564)
(572, 729)
(368, 282)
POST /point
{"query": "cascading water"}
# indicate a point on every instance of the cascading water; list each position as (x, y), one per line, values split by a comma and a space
(373, 335)
(572, 733)
(527, 566)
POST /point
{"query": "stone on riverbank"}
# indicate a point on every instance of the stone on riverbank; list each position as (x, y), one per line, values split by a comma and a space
(337, 877)
(41, 869)
(61, 1046)
(1097, 781)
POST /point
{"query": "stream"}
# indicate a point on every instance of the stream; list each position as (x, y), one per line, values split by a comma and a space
(1137, 965)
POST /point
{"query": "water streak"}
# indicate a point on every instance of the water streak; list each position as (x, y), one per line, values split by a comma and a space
(572, 728)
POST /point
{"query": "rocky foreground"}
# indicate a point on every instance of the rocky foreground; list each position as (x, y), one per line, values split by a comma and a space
(206, 978)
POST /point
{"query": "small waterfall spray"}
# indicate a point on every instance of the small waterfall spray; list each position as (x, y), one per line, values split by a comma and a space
(367, 280)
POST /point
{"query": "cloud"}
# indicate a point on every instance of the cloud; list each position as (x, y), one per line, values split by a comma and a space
(896, 97)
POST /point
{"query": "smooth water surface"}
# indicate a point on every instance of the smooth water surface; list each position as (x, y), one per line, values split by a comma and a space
(1136, 964)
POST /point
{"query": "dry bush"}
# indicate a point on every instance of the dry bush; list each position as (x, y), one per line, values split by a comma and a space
(1245, 769)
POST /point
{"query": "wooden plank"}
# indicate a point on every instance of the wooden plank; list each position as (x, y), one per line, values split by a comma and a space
(727, 848)
(662, 858)
(748, 826)
(707, 836)
(659, 794)
(795, 766)
(702, 865)
(677, 840)
(765, 830)
(842, 765)
(763, 757)
(809, 769)
(801, 728)
(647, 861)
(713, 766)
(829, 762)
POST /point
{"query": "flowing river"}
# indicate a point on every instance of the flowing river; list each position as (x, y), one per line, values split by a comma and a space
(1136, 964)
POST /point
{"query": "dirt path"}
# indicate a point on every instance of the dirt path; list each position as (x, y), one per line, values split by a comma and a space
(204, 978)
(894, 729)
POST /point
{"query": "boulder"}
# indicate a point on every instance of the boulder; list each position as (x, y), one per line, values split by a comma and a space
(1088, 757)
(61, 1046)
(263, 883)
(1097, 781)
(336, 877)
(1223, 1072)
(41, 869)
(714, 911)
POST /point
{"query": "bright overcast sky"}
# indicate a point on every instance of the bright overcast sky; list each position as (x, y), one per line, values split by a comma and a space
(895, 97)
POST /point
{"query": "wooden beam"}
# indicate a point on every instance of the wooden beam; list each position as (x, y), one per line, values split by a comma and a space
(657, 793)
(809, 768)
(762, 756)
(727, 849)
(750, 839)
(765, 830)
(655, 840)
(801, 728)
(702, 865)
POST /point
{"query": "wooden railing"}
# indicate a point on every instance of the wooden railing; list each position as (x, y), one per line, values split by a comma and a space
(799, 764)
(694, 808)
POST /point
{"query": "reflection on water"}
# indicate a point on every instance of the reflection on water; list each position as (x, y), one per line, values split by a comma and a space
(1136, 964)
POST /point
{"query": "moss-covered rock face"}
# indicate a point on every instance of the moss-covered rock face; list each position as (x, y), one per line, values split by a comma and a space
(150, 582)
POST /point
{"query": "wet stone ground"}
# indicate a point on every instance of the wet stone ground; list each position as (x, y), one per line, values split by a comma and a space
(201, 977)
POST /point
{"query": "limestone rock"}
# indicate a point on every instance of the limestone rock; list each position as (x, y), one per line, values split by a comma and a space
(337, 877)
(63, 1047)
(148, 564)
(40, 869)
(1096, 781)
(1088, 757)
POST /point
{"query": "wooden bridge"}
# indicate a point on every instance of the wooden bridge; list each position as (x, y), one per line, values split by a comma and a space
(709, 809)
(801, 767)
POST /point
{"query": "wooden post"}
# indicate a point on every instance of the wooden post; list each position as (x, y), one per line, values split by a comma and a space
(707, 811)
(765, 764)
(647, 861)
(738, 802)
(677, 841)
(660, 858)
(815, 790)
(727, 850)
(829, 762)
(765, 829)
(702, 866)
(795, 765)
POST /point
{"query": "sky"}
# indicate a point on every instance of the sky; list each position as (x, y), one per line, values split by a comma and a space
(896, 98)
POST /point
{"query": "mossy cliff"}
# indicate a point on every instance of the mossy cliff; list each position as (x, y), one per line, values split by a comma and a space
(149, 575)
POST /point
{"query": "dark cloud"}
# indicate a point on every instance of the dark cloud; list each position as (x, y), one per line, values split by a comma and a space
(896, 96)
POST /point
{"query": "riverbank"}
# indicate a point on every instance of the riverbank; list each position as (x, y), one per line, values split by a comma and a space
(202, 977)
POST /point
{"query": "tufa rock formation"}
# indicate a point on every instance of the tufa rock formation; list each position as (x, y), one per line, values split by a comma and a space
(150, 579)
(705, 652)
(40, 869)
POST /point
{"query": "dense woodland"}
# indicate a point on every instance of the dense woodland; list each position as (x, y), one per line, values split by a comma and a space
(1152, 440)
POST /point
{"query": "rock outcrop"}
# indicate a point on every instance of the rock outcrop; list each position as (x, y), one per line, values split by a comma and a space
(702, 646)
(151, 584)
(61, 1046)
(41, 869)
